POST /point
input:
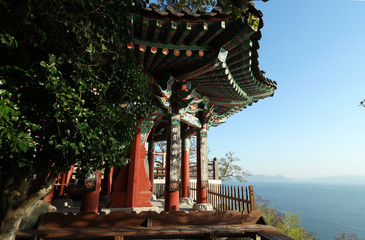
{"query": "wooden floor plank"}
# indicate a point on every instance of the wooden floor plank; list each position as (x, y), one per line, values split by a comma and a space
(119, 233)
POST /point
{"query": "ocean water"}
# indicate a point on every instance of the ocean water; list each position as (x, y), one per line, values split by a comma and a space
(324, 208)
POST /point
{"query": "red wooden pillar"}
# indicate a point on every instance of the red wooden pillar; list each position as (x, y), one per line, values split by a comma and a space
(49, 196)
(67, 182)
(108, 180)
(138, 194)
(90, 200)
(131, 188)
(151, 162)
(202, 165)
(172, 164)
(185, 169)
(69, 175)
(62, 186)
(119, 189)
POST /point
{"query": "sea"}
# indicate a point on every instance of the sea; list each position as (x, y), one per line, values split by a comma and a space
(324, 209)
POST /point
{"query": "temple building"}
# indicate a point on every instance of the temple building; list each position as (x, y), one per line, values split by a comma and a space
(202, 67)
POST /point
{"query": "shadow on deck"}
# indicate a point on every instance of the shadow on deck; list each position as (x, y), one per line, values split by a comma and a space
(153, 225)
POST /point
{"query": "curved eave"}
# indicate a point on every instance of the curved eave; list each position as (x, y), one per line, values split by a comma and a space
(186, 45)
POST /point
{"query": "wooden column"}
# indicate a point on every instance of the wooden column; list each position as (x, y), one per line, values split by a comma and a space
(202, 167)
(151, 162)
(173, 163)
(49, 196)
(138, 194)
(90, 199)
(108, 180)
(185, 168)
(119, 189)
(69, 174)
(131, 187)
(62, 186)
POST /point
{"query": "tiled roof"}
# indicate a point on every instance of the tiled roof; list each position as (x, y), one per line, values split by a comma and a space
(214, 51)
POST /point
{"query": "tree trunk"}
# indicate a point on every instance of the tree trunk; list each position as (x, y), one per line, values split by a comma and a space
(14, 215)
(10, 224)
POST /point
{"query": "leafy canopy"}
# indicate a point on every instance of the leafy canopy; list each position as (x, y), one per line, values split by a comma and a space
(236, 7)
(229, 170)
(288, 223)
(70, 91)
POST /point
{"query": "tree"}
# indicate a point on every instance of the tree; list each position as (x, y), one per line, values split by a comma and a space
(289, 223)
(204, 4)
(228, 170)
(193, 5)
(70, 92)
(236, 7)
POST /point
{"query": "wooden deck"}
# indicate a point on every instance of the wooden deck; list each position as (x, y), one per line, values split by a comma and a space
(153, 225)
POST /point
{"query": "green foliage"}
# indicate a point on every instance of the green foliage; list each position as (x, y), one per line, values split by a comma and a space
(193, 5)
(346, 236)
(70, 92)
(237, 8)
(70, 89)
(228, 170)
(8, 40)
(289, 223)
(15, 137)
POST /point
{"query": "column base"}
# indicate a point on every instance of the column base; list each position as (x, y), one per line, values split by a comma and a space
(130, 210)
(187, 200)
(202, 207)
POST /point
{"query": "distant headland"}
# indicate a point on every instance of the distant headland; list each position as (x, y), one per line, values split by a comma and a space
(342, 179)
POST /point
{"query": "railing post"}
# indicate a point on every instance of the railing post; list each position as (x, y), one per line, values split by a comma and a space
(215, 169)
(252, 198)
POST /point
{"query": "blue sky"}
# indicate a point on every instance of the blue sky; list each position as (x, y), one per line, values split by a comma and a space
(313, 126)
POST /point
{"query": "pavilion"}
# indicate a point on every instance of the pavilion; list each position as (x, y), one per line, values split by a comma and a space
(202, 67)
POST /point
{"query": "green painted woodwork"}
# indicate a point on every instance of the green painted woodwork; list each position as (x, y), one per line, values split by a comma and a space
(171, 46)
(172, 55)
(144, 28)
(184, 34)
(171, 32)
(150, 57)
(220, 29)
(218, 56)
(204, 29)
(157, 31)
(159, 58)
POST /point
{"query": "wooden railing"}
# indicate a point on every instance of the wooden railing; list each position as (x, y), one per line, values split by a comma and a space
(212, 169)
(228, 197)
(160, 172)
